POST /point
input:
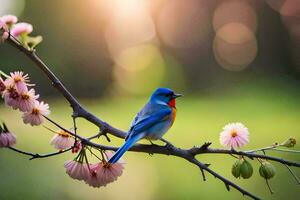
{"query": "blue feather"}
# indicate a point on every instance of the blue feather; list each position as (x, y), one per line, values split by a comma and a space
(127, 145)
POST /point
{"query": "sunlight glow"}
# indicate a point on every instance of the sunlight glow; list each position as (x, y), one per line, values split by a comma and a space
(184, 23)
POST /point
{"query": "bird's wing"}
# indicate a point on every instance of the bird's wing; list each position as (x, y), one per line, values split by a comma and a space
(145, 112)
(147, 122)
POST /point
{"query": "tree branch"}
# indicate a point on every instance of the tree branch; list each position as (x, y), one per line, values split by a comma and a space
(78, 110)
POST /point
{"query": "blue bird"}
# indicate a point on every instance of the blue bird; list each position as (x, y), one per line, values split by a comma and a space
(152, 122)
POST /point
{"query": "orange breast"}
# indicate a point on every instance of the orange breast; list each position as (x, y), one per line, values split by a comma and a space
(173, 115)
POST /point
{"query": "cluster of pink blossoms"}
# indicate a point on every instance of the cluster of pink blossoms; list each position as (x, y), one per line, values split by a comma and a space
(20, 31)
(9, 22)
(234, 135)
(7, 138)
(96, 175)
(16, 94)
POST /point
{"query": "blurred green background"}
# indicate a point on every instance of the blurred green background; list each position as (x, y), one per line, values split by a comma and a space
(235, 60)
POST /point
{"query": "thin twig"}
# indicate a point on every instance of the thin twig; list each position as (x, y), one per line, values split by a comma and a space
(37, 155)
(263, 149)
(286, 150)
(269, 186)
(293, 174)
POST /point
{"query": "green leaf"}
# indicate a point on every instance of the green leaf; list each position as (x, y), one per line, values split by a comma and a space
(32, 42)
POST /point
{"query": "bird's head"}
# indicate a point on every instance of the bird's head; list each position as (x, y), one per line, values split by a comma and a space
(164, 96)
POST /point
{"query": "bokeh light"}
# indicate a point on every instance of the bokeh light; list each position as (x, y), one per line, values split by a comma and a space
(129, 24)
(290, 8)
(235, 11)
(14, 7)
(184, 23)
(235, 46)
(139, 74)
(285, 7)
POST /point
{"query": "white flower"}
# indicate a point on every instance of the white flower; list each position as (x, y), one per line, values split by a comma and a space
(234, 135)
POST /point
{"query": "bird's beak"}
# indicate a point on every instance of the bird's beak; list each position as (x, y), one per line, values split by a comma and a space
(177, 95)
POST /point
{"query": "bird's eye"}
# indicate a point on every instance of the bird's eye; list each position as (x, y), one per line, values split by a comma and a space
(168, 95)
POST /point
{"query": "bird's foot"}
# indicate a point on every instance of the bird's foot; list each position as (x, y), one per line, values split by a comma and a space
(169, 145)
(152, 143)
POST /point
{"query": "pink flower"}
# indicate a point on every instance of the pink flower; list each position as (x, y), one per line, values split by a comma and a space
(93, 179)
(35, 116)
(7, 139)
(11, 97)
(21, 28)
(104, 173)
(9, 19)
(27, 100)
(77, 170)
(234, 135)
(62, 140)
(3, 25)
(3, 30)
(4, 37)
(19, 80)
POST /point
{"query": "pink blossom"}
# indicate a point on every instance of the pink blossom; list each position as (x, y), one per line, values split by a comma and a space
(62, 140)
(104, 173)
(7, 139)
(11, 97)
(234, 135)
(93, 179)
(3, 25)
(35, 115)
(77, 170)
(21, 28)
(19, 80)
(9, 19)
(3, 31)
(5, 35)
(27, 100)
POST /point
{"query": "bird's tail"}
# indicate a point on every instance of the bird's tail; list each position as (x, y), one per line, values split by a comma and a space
(129, 143)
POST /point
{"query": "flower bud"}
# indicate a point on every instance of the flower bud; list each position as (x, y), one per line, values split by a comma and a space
(236, 168)
(246, 169)
(291, 142)
(267, 170)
